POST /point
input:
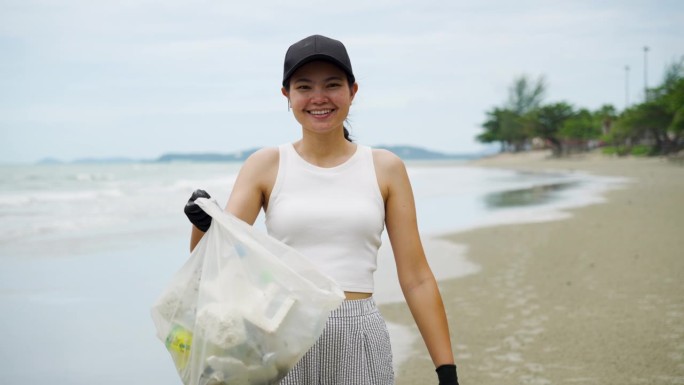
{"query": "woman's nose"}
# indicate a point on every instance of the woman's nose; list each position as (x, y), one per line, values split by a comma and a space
(319, 96)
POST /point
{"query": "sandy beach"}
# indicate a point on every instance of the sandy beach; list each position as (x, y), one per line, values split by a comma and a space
(594, 299)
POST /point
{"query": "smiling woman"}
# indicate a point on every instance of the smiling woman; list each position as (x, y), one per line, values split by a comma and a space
(319, 56)
(320, 96)
(331, 199)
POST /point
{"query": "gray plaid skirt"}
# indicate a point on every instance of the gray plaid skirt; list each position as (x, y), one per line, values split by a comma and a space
(353, 349)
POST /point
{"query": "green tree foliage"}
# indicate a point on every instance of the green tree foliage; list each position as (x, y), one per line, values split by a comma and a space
(580, 126)
(655, 126)
(672, 96)
(659, 120)
(605, 117)
(507, 124)
(546, 122)
(525, 94)
(673, 73)
(643, 122)
(675, 104)
(504, 126)
(524, 117)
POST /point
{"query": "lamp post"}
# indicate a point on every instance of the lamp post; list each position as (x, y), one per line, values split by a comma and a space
(645, 73)
(626, 87)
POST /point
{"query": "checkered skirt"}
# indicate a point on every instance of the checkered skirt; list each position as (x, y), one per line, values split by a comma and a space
(354, 349)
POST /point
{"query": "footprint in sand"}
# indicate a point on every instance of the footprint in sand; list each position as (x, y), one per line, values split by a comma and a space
(522, 323)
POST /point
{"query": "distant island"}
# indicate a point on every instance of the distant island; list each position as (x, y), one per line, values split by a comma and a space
(238, 156)
(417, 153)
(404, 152)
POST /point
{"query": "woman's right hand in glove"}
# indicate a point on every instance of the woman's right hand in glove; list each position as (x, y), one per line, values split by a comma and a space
(195, 214)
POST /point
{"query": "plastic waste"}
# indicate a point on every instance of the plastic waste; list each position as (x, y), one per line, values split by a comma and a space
(244, 308)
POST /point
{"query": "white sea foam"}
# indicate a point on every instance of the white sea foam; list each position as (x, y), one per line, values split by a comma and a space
(86, 177)
(62, 200)
(54, 201)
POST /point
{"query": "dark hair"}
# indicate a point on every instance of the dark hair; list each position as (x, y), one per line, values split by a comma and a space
(346, 134)
(350, 82)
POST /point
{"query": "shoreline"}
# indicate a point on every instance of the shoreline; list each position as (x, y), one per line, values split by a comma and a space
(595, 298)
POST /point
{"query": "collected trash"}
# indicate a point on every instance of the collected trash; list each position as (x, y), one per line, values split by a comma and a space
(244, 308)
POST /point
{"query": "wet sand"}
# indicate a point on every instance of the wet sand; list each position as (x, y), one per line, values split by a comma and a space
(594, 299)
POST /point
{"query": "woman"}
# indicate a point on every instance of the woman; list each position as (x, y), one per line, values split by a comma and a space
(330, 199)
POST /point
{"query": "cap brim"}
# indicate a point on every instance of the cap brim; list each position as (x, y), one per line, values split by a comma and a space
(315, 57)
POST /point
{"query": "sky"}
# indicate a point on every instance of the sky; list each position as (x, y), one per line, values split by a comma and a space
(140, 78)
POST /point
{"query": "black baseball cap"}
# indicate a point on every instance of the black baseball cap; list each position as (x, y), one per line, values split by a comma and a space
(316, 47)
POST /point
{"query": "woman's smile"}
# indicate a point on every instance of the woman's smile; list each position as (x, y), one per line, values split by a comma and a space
(319, 114)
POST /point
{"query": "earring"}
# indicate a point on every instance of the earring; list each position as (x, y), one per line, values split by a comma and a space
(289, 105)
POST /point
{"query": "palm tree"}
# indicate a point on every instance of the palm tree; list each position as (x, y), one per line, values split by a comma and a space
(526, 95)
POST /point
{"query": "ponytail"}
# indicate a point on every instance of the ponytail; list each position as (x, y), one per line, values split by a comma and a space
(346, 134)
(350, 81)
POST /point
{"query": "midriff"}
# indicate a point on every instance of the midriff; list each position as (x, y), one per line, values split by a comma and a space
(352, 295)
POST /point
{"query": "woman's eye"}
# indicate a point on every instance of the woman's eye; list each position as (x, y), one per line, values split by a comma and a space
(303, 87)
(334, 85)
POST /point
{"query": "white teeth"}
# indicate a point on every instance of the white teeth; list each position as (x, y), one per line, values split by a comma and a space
(320, 112)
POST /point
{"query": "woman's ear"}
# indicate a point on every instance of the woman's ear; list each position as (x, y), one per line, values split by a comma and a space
(287, 95)
(353, 89)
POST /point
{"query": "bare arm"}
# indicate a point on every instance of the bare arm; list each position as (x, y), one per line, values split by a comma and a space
(251, 190)
(415, 276)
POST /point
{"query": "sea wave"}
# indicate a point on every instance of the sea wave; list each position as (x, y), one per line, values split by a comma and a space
(37, 197)
(54, 203)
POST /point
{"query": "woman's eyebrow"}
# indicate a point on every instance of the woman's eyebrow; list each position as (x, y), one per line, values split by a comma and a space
(307, 80)
(300, 80)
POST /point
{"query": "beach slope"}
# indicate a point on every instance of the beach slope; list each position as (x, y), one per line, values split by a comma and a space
(594, 299)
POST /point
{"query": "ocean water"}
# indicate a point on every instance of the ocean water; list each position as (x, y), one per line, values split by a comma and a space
(85, 249)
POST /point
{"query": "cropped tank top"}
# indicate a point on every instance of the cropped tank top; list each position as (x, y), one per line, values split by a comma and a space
(334, 216)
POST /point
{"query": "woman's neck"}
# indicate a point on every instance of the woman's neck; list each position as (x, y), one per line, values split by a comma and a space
(325, 151)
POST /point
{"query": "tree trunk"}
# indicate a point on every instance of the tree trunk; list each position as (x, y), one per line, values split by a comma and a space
(556, 146)
(659, 145)
(678, 142)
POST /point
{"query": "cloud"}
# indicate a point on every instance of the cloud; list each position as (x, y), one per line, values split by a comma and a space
(429, 66)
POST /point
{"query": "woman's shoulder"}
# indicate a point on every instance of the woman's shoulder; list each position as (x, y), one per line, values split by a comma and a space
(263, 156)
(262, 160)
(386, 160)
(390, 170)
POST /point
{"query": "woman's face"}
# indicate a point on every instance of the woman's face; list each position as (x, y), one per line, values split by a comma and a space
(320, 96)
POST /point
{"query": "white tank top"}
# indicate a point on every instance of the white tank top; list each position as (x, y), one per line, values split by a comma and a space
(334, 216)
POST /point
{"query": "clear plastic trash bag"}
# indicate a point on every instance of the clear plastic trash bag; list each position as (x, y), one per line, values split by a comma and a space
(244, 308)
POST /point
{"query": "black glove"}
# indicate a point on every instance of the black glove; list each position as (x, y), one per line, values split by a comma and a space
(195, 214)
(447, 375)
